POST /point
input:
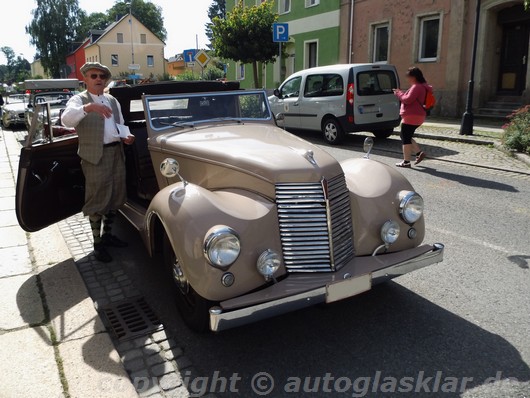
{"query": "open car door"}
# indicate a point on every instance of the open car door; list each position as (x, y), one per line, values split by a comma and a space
(50, 182)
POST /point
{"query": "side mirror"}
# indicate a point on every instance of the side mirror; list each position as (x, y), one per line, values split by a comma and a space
(170, 168)
(367, 146)
(280, 116)
(277, 93)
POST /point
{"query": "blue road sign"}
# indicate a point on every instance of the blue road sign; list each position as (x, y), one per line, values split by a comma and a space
(135, 77)
(189, 55)
(280, 32)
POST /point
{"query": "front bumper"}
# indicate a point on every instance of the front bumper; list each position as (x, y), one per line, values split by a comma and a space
(303, 290)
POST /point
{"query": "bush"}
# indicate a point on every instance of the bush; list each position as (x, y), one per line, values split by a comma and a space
(516, 134)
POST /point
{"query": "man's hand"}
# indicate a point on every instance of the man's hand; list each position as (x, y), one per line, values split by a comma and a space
(103, 110)
(129, 140)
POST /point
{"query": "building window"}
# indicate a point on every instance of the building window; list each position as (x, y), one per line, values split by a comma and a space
(150, 61)
(311, 3)
(143, 38)
(119, 37)
(114, 60)
(285, 6)
(240, 71)
(429, 38)
(311, 54)
(380, 39)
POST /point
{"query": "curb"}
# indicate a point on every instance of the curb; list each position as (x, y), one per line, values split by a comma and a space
(454, 139)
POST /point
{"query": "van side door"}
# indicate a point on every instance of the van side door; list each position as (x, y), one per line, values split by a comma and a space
(288, 102)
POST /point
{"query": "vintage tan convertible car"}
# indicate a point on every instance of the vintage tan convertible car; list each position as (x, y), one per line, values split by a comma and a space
(252, 221)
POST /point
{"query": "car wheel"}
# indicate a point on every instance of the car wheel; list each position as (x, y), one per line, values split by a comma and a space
(332, 131)
(193, 308)
(383, 134)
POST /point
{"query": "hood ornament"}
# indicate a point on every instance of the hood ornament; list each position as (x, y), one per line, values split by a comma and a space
(308, 154)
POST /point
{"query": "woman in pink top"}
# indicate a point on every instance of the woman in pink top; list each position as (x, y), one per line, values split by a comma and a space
(412, 114)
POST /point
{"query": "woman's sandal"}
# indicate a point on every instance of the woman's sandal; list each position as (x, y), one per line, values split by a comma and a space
(420, 157)
(404, 164)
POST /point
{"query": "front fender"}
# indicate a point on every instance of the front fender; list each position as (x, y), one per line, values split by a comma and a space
(374, 189)
(189, 212)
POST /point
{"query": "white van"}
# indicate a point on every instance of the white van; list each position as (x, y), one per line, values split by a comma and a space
(339, 99)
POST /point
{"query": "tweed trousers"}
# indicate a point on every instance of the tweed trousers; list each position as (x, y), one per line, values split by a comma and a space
(105, 187)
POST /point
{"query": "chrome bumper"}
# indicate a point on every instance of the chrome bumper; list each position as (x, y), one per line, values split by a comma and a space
(221, 319)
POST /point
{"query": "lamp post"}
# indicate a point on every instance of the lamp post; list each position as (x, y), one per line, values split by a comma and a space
(467, 119)
(132, 41)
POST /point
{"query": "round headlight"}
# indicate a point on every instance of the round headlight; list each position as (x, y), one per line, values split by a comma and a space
(221, 246)
(411, 207)
(390, 232)
(268, 263)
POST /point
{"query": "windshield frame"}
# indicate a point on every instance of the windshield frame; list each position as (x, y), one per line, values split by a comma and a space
(149, 100)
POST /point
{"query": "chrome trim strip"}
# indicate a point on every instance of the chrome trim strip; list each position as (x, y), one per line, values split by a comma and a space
(222, 321)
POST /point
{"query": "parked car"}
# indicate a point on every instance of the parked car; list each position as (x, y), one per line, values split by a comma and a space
(56, 92)
(251, 220)
(340, 99)
(13, 110)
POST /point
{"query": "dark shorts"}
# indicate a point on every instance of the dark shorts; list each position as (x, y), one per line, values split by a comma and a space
(407, 132)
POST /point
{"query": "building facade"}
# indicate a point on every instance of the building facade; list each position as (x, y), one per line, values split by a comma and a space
(437, 36)
(125, 43)
(314, 40)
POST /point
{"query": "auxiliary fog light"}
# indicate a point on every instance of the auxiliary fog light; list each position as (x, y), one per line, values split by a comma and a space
(390, 232)
(268, 263)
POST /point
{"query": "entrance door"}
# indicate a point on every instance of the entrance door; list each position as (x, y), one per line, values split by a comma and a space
(514, 58)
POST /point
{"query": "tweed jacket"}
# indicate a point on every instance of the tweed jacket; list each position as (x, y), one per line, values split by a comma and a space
(90, 130)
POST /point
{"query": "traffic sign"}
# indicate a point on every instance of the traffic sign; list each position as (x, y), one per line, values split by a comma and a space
(134, 66)
(135, 77)
(280, 32)
(202, 58)
(189, 55)
(190, 64)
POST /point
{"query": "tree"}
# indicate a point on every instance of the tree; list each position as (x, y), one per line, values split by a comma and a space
(96, 20)
(216, 9)
(246, 35)
(17, 68)
(147, 13)
(52, 30)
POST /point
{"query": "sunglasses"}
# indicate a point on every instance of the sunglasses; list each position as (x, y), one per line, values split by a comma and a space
(94, 76)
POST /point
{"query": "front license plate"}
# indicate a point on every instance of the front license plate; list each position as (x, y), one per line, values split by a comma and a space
(348, 288)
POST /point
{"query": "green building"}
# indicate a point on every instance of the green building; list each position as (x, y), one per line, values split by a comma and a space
(315, 39)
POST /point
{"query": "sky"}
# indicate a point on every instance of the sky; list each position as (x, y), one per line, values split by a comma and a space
(183, 20)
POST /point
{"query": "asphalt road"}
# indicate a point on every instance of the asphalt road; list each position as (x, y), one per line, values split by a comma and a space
(459, 328)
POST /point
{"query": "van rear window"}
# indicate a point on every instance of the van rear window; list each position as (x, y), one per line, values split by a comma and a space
(323, 85)
(376, 82)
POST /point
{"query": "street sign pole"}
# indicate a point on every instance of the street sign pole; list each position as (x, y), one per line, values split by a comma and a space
(280, 34)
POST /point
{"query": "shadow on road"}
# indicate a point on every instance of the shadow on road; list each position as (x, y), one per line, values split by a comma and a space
(467, 180)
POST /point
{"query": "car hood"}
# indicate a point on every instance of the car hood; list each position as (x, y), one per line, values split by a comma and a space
(264, 151)
(17, 107)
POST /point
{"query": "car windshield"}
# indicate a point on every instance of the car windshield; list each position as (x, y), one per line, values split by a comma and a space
(16, 99)
(169, 111)
(54, 99)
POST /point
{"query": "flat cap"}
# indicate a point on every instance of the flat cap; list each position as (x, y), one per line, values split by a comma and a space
(95, 65)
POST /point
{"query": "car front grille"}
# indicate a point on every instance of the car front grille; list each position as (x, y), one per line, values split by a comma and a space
(315, 225)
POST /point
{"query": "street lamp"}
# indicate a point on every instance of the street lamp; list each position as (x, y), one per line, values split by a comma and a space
(467, 119)
(132, 41)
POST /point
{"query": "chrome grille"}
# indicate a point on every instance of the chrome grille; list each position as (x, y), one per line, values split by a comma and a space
(315, 225)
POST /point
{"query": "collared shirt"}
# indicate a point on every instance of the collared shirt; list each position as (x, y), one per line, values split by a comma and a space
(74, 113)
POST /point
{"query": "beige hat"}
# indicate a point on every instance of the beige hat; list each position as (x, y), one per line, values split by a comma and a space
(95, 65)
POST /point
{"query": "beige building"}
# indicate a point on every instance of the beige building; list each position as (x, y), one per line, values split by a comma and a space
(128, 47)
(437, 36)
(38, 70)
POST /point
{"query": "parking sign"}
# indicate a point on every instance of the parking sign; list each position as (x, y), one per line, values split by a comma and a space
(280, 32)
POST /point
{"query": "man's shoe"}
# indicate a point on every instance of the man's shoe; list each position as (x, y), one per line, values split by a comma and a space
(101, 253)
(113, 241)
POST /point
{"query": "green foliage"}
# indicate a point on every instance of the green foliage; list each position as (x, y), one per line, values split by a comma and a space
(146, 12)
(216, 9)
(188, 75)
(52, 30)
(517, 131)
(94, 21)
(165, 77)
(245, 35)
(527, 5)
(17, 69)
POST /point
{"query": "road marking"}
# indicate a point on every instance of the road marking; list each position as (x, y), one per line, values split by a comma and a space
(470, 240)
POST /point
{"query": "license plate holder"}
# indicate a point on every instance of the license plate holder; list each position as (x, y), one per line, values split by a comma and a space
(348, 288)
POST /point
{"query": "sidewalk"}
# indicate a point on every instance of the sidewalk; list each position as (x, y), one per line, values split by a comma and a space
(52, 341)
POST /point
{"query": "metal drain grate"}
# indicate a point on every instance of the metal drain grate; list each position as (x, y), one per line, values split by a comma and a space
(130, 318)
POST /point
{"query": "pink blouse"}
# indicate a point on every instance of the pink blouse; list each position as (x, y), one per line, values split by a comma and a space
(412, 100)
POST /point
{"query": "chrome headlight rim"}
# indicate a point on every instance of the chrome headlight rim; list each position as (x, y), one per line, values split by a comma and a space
(214, 240)
(390, 232)
(409, 214)
(268, 263)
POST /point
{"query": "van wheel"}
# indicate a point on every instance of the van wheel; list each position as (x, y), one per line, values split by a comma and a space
(193, 308)
(332, 131)
(382, 134)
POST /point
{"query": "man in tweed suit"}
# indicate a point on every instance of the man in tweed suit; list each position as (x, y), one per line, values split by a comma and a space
(95, 116)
